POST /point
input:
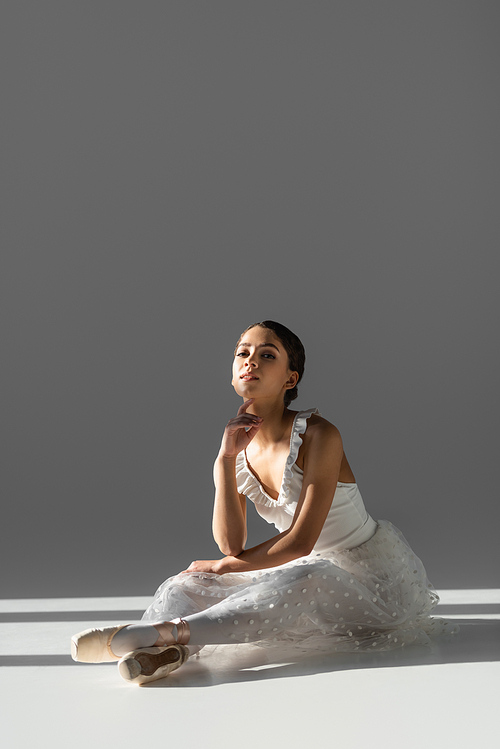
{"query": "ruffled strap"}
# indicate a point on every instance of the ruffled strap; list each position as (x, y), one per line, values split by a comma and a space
(298, 429)
(249, 485)
(246, 482)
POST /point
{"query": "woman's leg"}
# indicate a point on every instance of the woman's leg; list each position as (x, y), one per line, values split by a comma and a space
(182, 596)
(286, 602)
(244, 616)
(133, 637)
(216, 625)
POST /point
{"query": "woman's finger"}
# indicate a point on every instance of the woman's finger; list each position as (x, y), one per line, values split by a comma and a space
(238, 426)
(251, 431)
(244, 420)
(245, 405)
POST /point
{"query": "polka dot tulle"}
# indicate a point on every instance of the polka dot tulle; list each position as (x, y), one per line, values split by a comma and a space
(372, 597)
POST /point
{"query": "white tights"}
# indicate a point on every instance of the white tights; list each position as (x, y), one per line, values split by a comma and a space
(297, 599)
(219, 624)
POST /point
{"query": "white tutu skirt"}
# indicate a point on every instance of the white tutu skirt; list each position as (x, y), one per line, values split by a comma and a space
(373, 597)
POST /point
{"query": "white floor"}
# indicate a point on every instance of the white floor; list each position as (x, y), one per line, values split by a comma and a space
(447, 697)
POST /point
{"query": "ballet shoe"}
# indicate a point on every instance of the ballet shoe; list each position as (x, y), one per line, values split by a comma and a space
(94, 645)
(148, 664)
(166, 633)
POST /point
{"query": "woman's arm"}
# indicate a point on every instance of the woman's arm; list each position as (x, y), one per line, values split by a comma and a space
(322, 459)
(229, 524)
(323, 453)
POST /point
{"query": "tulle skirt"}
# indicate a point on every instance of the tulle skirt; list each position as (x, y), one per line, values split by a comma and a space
(373, 597)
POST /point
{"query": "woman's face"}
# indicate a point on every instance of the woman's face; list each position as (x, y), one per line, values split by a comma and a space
(261, 367)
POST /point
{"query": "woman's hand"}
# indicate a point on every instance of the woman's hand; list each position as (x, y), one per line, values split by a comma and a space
(239, 431)
(204, 565)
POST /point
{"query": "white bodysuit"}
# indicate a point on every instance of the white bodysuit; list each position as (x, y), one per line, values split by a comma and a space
(347, 525)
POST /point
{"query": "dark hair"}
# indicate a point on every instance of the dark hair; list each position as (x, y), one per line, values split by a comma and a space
(293, 347)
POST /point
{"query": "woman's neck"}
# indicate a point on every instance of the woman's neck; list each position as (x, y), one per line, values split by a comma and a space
(276, 422)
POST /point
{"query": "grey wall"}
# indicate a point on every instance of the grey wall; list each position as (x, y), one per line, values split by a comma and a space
(176, 170)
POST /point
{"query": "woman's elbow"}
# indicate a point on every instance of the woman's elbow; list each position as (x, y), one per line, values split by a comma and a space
(306, 549)
(231, 551)
(302, 547)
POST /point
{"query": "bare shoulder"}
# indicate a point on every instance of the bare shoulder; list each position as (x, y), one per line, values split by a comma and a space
(323, 448)
(321, 433)
(317, 425)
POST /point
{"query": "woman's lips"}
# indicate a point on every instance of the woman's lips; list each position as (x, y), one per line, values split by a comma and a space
(248, 377)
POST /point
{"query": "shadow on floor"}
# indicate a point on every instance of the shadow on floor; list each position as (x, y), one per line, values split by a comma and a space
(135, 615)
(130, 615)
(477, 641)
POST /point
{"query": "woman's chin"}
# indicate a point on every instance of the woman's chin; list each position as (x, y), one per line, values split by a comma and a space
(246, 389)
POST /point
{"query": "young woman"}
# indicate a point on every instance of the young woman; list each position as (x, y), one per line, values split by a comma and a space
(332, 578)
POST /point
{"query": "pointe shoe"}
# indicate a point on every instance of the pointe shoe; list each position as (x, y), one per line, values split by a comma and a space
(148, 664)
(94, 645)
(166, 636)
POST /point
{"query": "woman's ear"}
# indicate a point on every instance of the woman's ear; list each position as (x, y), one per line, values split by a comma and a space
(292, 380)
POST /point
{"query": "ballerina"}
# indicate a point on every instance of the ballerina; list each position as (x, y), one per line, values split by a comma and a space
(332, 579)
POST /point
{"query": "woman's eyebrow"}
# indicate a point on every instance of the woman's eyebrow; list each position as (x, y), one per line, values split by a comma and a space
(244, 343)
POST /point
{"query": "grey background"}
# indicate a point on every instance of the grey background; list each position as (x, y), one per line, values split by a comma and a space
(173, 171)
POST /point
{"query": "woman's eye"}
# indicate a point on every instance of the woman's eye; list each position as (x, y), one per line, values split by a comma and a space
(265, 355)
